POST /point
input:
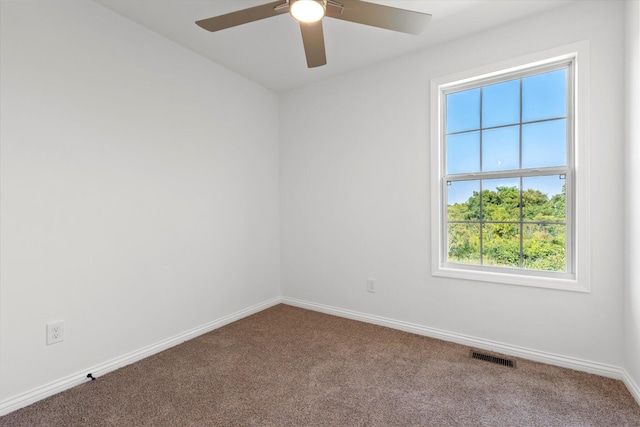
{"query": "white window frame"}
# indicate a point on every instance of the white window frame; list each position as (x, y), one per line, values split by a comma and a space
(577, 278)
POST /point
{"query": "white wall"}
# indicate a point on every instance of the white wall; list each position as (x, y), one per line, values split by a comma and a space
(632, 113)
(355, 195)
(139, 190)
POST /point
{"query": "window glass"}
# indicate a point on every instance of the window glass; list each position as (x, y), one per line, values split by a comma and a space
(464, 243)
(501, 104)
(544, 144)
(501, 199)
(463, 201)
(463, 110)
(501, 148)
(463, 153)
(544, 198)
(544, 247)
(501, 244)
(544, 96)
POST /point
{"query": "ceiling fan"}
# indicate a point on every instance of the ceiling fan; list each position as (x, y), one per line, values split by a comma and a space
(309, 14)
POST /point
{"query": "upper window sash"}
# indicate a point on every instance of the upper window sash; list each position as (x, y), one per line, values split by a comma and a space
(481, 82)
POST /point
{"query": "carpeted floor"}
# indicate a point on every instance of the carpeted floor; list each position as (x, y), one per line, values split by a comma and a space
(287, 366)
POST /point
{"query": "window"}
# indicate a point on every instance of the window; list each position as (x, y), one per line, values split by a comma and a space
(506, 174)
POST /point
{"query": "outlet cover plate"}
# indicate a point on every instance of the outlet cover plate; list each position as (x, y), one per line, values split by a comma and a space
(371, 285)
(55, 332)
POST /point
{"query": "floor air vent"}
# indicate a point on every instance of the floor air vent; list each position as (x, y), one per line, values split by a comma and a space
(493, 359)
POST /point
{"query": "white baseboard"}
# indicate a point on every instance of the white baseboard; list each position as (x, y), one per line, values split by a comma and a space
(633, 387)
(39, 393)
(511, 350)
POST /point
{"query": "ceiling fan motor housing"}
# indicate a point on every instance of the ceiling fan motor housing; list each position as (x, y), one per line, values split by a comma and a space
(308, 11)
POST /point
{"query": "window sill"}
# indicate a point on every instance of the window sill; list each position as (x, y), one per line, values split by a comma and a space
(564, 284)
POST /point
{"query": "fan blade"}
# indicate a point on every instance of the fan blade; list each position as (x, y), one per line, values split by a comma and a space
(313, 40)
(377, 15)
(244, 16)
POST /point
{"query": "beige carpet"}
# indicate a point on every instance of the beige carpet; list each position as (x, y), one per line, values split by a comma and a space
(291, 367)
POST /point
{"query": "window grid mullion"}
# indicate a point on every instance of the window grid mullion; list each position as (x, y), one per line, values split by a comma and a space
(520, 123)
(481, 224)
(464, 221)
(521, 179)
(481, 231)
(521, 224)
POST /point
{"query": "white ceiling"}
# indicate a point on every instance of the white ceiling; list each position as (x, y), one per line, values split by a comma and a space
(270, 51)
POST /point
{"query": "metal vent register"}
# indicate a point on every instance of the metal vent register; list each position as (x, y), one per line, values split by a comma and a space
(493, 359)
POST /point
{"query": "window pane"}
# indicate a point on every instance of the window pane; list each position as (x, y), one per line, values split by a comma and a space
(544, 199)
(463, 199)
(464, 243)
(501, 149)
(463, 111)
(463, 153)
(501, 104)
(501, 245)
(501, 199)
(544, 144)
(544, 96)
(544, 247)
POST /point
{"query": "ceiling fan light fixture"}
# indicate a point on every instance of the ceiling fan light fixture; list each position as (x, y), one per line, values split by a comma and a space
(308, 10)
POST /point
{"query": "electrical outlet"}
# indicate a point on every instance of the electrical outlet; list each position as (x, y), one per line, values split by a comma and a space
(371, 285)
(55, 332)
